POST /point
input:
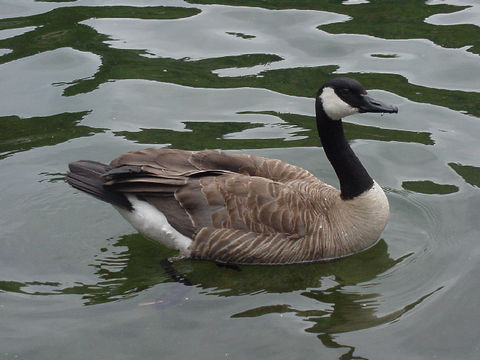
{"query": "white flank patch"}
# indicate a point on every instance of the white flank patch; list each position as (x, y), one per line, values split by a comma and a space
(334, 107)
(149, 221)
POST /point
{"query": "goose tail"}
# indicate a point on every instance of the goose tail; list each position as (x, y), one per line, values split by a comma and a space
(88, 176)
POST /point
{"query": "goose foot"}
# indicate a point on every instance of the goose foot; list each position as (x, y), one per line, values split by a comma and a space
(167, 266)
(228, 266)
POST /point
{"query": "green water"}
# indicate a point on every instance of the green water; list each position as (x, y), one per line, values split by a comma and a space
(93, 79)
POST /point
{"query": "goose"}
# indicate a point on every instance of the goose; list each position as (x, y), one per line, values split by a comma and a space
(247, 209)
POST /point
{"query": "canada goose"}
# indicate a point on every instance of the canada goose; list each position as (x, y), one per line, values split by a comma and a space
(246, 209)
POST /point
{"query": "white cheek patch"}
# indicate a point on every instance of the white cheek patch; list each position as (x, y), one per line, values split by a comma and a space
(334, 107)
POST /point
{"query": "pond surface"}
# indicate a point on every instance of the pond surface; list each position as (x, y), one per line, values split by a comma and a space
(93, 79)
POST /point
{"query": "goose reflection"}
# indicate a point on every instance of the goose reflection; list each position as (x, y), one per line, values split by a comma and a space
(129, 266)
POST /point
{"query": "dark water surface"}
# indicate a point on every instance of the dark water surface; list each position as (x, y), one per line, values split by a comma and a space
(94, 79)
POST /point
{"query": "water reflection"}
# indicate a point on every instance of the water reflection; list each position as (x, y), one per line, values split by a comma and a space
(429, 187)
(301, 130)
(241, 35)
(352, 131)
(471, 174)
(405, 20)
(65, 27)
(131, 265)
(343, 312)
(200, 135)
(21, 134)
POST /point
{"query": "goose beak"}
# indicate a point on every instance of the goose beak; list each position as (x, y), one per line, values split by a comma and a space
(374, 106)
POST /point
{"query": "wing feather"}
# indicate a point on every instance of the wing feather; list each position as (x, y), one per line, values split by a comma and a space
(236, 208)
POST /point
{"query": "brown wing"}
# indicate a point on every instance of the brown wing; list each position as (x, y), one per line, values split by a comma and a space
(186, 162)
(261, 199)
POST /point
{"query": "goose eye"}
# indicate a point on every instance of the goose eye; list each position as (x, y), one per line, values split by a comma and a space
(344, 91)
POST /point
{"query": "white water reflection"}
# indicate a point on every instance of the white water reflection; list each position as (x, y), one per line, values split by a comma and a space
(292, 35)
(470, 15)
(38, 91)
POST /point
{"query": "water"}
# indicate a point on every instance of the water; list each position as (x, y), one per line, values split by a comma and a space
(94, 79)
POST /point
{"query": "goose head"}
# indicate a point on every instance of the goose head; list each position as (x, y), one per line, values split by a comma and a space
(341, 97)
(336, 99)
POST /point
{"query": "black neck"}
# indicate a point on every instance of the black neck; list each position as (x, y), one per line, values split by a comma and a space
(353, 177)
